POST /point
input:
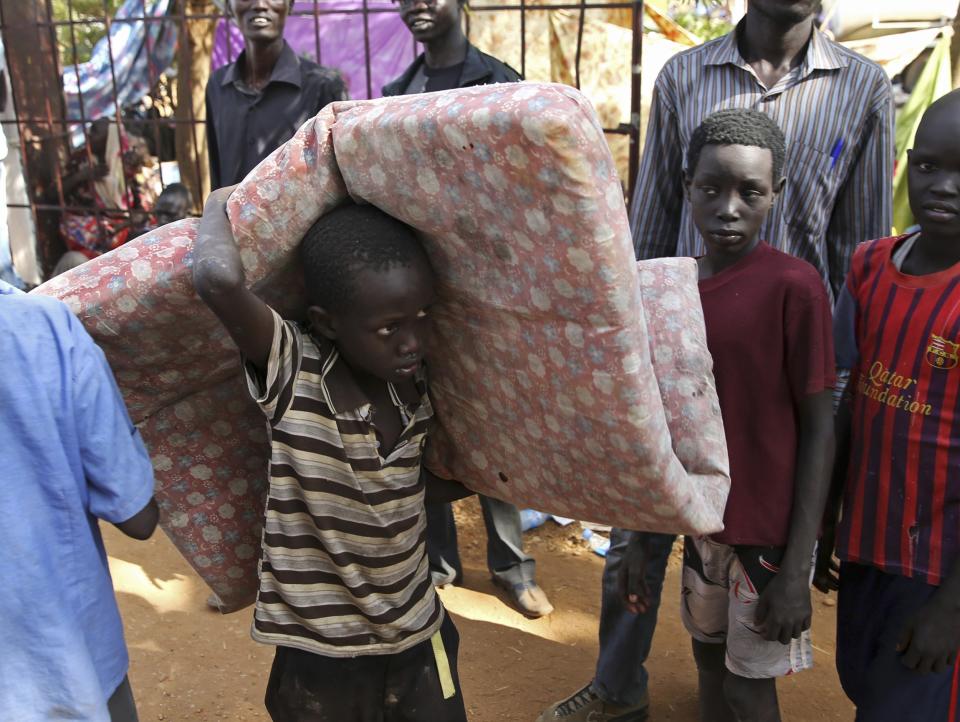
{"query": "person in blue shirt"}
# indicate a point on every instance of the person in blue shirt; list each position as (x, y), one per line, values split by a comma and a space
(70, 456)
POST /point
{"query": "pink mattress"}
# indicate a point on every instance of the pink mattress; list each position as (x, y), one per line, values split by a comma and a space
(565, 376)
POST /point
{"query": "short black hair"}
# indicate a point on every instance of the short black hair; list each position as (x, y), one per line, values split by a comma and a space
(178, 189)
(349, 239)
(739, 126)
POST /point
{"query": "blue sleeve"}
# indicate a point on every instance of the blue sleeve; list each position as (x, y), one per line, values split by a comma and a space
(115, 463)
(845, 329)
(844, 342)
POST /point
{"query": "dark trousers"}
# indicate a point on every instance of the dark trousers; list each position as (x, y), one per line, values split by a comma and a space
(121, 705)
(505, 558)
(403, 687)
(872, 609)
(625, 638)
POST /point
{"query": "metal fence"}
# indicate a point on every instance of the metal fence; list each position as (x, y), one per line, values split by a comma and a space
(43, 40)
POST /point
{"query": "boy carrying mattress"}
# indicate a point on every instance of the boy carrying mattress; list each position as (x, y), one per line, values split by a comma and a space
(345, 590)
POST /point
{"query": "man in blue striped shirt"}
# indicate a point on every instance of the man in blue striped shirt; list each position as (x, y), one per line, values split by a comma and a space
(836, 110)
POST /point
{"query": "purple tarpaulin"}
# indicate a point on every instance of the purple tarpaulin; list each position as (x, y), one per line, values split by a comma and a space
(341, 41)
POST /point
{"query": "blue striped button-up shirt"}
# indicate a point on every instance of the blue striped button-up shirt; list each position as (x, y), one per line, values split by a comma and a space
(836, 111)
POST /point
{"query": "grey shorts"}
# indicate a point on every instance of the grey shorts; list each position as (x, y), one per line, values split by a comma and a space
(718, 606)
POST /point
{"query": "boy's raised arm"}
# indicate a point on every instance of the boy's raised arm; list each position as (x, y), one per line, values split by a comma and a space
(220, 281)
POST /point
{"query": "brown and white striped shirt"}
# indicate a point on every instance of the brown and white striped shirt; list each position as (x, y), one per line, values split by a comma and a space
(836, 110)
(344, 567)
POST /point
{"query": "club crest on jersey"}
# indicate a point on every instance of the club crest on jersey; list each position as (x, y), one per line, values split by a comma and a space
(942, 354)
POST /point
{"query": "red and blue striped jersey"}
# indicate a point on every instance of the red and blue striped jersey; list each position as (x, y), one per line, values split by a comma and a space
(900, 337)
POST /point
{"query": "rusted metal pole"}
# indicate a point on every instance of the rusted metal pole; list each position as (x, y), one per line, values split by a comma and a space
(38, 94)
(581, 20)
(197, 28)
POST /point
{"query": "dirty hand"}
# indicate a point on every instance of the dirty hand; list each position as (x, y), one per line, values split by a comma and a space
(631, 578)
(784, 610)
(826, 575)
(931, 637)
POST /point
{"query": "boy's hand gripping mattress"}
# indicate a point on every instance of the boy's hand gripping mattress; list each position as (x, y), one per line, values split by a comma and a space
(565, 376)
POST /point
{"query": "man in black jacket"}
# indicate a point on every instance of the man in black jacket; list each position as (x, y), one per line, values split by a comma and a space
(257, 103)
(449, 61)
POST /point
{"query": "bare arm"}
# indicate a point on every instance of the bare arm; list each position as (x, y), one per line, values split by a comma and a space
(220, 281)
(142, 524)
(784, 609)
(930, 639)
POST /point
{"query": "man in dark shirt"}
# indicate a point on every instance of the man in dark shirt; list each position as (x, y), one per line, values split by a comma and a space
(449, 61)
(256, 104)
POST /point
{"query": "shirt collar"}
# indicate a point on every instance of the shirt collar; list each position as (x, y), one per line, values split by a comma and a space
(287, 69)
(821, 53)
(475, 68)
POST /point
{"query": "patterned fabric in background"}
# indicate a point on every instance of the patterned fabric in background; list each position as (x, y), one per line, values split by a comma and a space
(341, 38)
(141, 51)
(934, 82)
(604, 72)
(570, 381)
(551, 52)
(105, 225)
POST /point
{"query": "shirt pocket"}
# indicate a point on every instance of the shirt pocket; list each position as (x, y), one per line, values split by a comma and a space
(808, 197)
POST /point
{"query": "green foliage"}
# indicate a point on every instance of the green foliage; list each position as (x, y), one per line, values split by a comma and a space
(707, 19)
(77, 43)
(704, 27)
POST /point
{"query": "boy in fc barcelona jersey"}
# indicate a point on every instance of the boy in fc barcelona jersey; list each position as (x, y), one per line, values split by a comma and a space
(898, 463)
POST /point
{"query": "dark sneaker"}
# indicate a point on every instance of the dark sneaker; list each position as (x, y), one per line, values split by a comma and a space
(586, 706)
(527, 598)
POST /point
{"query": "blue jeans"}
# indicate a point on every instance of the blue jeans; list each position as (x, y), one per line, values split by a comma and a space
(505, 557)
(625, 638)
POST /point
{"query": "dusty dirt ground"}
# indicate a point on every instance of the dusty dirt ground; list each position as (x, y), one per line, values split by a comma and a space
(190, 663)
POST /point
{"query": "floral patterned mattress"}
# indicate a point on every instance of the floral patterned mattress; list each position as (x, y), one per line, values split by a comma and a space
(566, 377)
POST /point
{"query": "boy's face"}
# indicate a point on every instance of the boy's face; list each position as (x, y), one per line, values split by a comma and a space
(170, 207)
(429, 19)
(261, 20)
(730, 193)
(933, 173)
(384, 330)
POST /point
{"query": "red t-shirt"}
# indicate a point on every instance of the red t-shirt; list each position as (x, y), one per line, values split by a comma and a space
(770, 332)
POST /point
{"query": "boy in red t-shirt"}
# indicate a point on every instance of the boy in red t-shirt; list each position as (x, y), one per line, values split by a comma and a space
(898, 332)
(746, 590)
